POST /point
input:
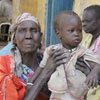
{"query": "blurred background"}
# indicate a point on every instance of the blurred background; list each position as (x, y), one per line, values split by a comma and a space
(44, 10)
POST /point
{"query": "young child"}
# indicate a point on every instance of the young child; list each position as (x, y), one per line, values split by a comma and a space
(68, 83)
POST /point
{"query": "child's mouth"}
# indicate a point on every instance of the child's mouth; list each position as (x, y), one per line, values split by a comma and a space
(77, 41)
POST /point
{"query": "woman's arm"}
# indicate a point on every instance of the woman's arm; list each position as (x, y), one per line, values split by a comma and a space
(35, 89)
(33, 79)
(36, 75)
(54, 60)
(82, 66)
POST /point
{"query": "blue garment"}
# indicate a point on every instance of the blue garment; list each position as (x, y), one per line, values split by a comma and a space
(6, 49)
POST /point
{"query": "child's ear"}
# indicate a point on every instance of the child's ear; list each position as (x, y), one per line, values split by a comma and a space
(58, 33)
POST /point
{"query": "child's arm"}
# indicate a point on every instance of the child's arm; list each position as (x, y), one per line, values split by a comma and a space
(92, 78)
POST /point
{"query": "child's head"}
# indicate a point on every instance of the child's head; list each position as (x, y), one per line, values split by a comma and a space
(91, 19)
(68, 28)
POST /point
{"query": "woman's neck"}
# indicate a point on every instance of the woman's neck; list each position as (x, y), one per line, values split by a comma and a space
(30, 60)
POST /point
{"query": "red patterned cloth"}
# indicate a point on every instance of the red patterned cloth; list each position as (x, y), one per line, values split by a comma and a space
(11, 87)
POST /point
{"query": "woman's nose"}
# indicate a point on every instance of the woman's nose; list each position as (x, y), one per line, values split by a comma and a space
(28, 34)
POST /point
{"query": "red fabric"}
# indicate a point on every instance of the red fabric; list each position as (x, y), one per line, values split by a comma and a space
(10, 85)
(15, 90)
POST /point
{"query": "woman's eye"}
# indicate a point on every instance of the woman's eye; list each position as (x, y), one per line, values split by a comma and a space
(34, 30)
(88, 21)
(22, 30)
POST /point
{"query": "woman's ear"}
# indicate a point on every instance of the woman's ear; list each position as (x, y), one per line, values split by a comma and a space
(40, 45)
(41, 34)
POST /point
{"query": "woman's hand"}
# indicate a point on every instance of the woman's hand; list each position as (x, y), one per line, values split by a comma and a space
(82, 66)
(92, 79)
(55, 59)
(91, 76)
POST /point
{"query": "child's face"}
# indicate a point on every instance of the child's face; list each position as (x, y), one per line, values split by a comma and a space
(71, 32)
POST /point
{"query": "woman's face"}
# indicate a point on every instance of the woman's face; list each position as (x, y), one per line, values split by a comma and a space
(28, 37)
(90, 22)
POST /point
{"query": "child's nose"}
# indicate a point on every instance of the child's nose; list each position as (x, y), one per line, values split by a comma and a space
(76, 33)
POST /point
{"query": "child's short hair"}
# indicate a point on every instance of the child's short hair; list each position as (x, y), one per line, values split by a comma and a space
(96, 9)
(59, 18)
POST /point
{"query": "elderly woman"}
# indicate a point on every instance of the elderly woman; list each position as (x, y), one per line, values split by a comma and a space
(18, 70)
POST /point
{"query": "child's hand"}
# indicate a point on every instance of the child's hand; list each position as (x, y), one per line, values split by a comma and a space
(92, 79)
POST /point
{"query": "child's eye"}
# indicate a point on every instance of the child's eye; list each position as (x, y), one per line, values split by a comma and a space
(71, 31)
